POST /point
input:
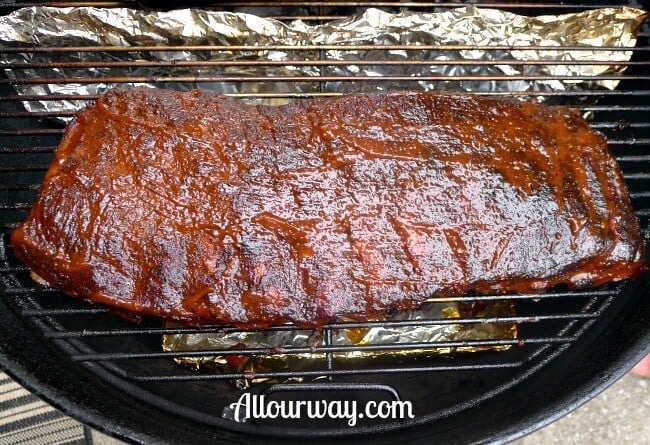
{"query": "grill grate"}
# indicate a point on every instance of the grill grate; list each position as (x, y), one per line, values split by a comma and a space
(115, 349)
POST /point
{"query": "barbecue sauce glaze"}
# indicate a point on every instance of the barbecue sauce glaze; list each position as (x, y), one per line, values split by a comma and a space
(202, 209)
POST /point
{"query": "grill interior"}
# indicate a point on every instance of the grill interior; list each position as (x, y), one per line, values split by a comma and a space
(127, 358)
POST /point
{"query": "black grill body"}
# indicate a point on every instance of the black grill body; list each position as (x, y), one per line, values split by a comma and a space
(111, 373)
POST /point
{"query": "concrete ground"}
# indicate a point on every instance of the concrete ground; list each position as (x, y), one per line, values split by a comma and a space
(618, 416)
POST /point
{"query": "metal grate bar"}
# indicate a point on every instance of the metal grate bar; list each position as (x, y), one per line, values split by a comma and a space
(601, 108)
(479, 93)
(306, 18)
(323, 47)
(621, 125)
(443, 321)
(315, 62)
(27, 290)
(16, 206)
(157, 331)
(51, 149)
(16, 187)
(469, 298)
(33, 149)
(98, 4)
(18, 168)
(638, 175)
(451, 321)
(80, 311)
(37, 114)
(333, 78)
(634, 158)
(610, 107)
(629, 141)
(50, 114)
(333, 372)
(300, 95)
(378, 4)
(28, 97)
(329, 357)
(41, 131)
(640, 194)
(112, 356)
(410, 4)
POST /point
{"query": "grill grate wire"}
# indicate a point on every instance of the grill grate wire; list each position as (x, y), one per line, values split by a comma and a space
(548, 323)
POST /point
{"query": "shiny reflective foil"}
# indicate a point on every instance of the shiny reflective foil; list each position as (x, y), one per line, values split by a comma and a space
(465, 49)
(429, 330)
(457, 42)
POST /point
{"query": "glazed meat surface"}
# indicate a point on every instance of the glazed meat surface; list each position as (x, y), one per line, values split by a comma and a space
(202, 209)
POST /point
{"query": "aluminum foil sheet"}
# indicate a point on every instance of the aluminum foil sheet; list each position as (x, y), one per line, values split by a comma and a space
(425, 335)
(87, 26)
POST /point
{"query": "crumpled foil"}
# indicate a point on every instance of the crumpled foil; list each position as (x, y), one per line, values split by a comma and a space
(427, 337)
(466, 49)
(469, 26)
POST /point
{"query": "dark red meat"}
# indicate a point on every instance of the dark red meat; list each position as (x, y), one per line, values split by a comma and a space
(199, 208)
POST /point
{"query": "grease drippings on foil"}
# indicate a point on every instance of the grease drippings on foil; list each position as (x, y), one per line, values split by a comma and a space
(430, 330)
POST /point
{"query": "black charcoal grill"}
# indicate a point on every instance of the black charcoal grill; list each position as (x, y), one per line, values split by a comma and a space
(111, 374)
